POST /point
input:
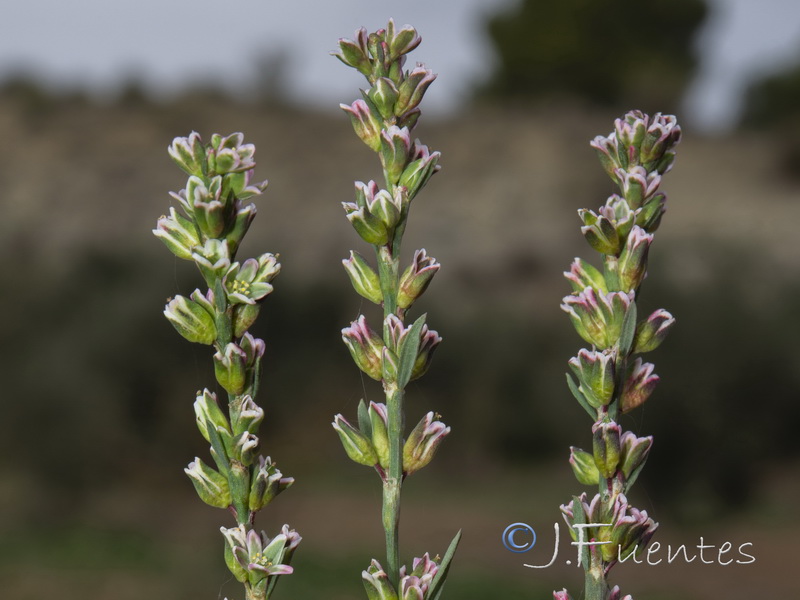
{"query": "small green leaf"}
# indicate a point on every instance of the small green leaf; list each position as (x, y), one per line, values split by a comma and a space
(628, 331)
(579, 518)
(437, 585)
(580, 397)
(634, 475)
(407, 353)
(219, 454)
(364, 422)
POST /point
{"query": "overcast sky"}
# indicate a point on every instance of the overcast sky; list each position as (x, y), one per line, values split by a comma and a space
(168, 43)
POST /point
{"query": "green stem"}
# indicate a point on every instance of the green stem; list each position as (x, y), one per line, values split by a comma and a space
(388, 272)
(255, 592)
(389, 275)
(393, 483)
(596, 587)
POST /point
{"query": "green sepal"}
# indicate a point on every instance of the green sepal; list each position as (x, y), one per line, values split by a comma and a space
(191, 320)
(244, 315)
(210, 485)
(351, 54)
(380, 436)
(584, 467)
(359, 447)
(384, 95)
(233, 564)
(437, 585)
(407, 352)
(633, 474)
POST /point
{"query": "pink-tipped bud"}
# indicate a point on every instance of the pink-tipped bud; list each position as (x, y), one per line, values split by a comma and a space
(640, 383)
(365, 346)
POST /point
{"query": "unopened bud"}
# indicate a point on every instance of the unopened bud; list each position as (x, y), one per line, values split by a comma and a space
(377, 584)
(268, 482)
(207, 411)
(631, 267)
(640, 383)
(597, 317)
(429, 340)
(363, 277)
(582, 275)
(188, 153)
(178, 233)
(380, 432)
(606, 447)
(353, 53)
(583, 466)
(365, 346)
(229, 368)
(416, 278)
(366, 124)
(652, 331)
(422, 443)
(633, 454)
(413, 89)
(423, 164)
(355, 443)
(384, 95)
(395, 148)
(211, 486)
(595, 373)
(600, 232)
(191, 320)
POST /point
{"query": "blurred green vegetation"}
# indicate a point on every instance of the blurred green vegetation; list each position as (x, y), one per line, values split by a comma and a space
(618, 52)
(772, 103)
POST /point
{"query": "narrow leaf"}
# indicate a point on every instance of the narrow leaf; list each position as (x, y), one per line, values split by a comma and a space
(435, 590)
(364, 423)
(219, 454)
(628, 331)
(580, 519)
(634, 475)
(407, 353)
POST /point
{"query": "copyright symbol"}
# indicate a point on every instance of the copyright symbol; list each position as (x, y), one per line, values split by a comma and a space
(519, 537)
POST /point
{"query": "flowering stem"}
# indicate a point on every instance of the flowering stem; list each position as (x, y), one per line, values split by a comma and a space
(595, 584)
(215, 219)
(388, 273)
(384, 119)
(393, 483)
(609, 378)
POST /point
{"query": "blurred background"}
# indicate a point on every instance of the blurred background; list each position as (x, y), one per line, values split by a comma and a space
(97, 421)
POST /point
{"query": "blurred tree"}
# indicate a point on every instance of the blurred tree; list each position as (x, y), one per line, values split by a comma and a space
(772, 104)
(774, 100)
(610, 53)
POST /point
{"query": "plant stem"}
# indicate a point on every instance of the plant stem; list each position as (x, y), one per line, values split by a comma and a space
(596, 587)
(393, 483)
(253, 593)
(388, 272)
(390, 512)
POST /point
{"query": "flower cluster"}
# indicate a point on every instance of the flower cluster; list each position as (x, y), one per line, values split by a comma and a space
(213, 219)
(369, 443)
(609, 378)
(383, 118)
(256, 560)
(421, 583)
